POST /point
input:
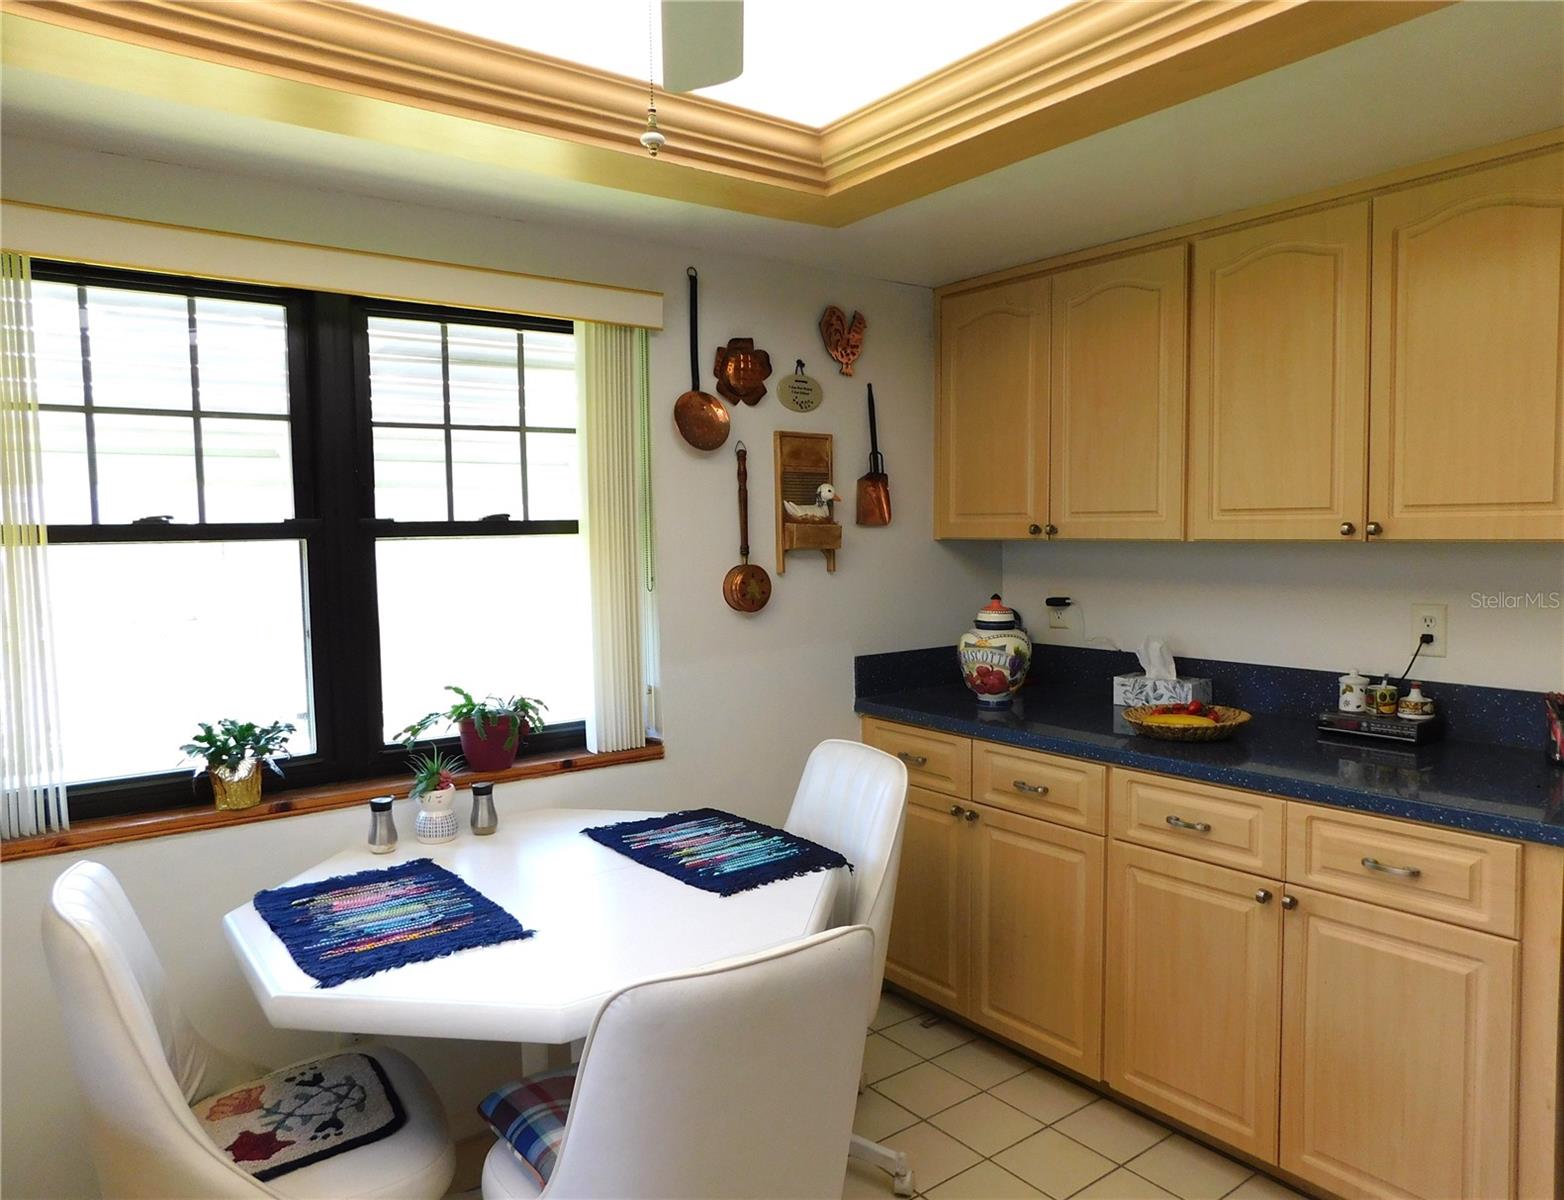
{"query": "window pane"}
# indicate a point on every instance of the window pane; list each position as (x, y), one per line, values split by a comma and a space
(551, 379)
(247, 469)
(410, 474)
(404, 371)
(155, 637)
(538, 585)
(67, 498)
(487, 476)
(242, 349)
(140, 348)
(57, 343)
(146, 467)
(553, 479)
(485, 388)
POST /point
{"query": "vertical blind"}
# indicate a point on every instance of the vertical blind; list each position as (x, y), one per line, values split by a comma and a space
(32, 791)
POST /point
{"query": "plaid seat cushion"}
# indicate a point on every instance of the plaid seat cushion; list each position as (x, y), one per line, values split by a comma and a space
(530, 1115)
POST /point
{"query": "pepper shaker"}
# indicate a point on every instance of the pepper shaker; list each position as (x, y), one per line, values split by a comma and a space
(484, 819)
(382, 826)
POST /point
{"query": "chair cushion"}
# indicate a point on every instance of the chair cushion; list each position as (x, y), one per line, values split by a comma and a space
(302, 1114)
(530, 1116)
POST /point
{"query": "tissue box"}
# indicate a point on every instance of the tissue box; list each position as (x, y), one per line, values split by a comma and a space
(1130, 690)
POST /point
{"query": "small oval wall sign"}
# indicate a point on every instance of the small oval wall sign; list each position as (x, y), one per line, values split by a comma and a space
(800, 392)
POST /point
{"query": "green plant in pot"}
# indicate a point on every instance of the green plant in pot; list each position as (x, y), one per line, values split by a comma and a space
(492, 730)
(232, 755)
(434, 791)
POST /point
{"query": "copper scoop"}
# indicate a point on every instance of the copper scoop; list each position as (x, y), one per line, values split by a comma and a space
(700, 416)
(874, 488)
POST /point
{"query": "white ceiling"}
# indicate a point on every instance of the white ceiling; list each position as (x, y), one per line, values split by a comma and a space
(1461, 77)
(809, 61)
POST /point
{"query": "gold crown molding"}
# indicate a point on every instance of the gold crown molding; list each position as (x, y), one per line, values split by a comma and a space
(1086, 68)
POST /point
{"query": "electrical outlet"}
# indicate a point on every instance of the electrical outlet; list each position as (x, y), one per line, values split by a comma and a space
(1430, 618)
(1058, 618)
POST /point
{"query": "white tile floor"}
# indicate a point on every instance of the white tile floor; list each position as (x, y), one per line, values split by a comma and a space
(980, 1122)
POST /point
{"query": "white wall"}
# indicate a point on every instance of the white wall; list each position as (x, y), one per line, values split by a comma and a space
(744, 698)
(1329, 607)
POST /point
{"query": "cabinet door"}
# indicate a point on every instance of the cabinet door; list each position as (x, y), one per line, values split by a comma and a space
(1398, 1052)
(1193, 993)
(1466, 436)
(991, 426)
(1037, 936)
(1278, 402)
(928, 951)
(1117, 453)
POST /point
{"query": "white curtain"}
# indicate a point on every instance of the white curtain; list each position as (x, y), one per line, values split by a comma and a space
(32, 788)
(615, 523)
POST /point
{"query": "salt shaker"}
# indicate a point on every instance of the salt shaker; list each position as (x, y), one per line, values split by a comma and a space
(382, 826)
(484, 819)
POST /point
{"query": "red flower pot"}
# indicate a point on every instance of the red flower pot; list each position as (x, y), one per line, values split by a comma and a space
(489, 751)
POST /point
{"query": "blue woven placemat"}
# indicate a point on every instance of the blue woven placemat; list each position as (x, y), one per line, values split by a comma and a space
(354, 926)
(715, 850)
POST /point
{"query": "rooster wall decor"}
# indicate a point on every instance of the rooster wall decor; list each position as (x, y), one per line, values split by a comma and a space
(843, 338)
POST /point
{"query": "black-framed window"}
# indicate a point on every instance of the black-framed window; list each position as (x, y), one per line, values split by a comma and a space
(280, 505)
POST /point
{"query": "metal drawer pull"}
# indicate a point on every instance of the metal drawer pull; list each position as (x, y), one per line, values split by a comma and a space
(971, 815)
(1373, 864)
(1036, 789)
(956, 810)
(912, 760)
(1289, 902)
(1180, 823)
(1262, 896)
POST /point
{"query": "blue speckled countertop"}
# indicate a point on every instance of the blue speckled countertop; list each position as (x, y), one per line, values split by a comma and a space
(1500, 790)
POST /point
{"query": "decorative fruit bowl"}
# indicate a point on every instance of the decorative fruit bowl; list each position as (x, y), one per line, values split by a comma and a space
(1192, 722)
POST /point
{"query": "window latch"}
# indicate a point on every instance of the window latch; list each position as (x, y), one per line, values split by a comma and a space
(502, 517)
(162, 519)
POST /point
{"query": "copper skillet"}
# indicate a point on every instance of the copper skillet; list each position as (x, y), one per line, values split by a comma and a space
(701, 419)
(746, 587)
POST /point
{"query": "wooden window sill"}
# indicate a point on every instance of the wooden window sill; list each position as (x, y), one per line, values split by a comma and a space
(106, 831)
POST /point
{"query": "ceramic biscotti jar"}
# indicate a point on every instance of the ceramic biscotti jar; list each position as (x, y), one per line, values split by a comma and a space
(995, 654)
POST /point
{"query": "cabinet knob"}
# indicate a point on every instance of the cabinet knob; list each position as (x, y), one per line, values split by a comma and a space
(1034, 530)
(1050, 530)
(1289, 902)
(971, 816)
(956, 810)
(1374, 527)
(1348, 529)
(1262, 896)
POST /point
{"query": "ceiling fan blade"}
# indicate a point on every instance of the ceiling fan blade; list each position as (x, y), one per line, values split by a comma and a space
(703, 43)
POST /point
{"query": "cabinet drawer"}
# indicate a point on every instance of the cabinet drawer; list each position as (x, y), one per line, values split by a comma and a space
(941, 762)
(1066, 791)
(1243, 830)
(1457, 877)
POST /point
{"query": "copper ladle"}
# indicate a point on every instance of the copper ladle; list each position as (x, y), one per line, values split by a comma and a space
(701, 419)
(745, 587)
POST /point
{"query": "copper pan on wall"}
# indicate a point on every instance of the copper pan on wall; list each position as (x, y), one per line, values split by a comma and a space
(701, 419)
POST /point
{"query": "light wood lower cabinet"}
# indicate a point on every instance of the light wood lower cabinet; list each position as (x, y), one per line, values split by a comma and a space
(1036, 926)
(1194, 993)
(929, 952)
(1398, 1053)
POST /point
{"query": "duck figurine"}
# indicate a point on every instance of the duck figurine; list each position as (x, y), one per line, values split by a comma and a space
(820, 510)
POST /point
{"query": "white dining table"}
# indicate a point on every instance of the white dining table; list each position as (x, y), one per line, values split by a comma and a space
(603, 921)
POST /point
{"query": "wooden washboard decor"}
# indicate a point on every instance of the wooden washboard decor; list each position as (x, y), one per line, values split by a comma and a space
(803, 463)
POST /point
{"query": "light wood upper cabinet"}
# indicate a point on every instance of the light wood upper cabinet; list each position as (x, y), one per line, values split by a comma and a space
(1278, 399)
(1194, 993)
(1398, 1053)
(928, 951)
(1037, 909)
(1467, 416)
(991, 425)
(1117, 446)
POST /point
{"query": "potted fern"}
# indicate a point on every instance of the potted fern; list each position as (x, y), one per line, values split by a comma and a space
(233, 753)
(492, 730)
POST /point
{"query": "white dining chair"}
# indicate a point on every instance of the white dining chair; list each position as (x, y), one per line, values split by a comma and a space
(141, 1065)
(731, 1082)
(853, 798)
